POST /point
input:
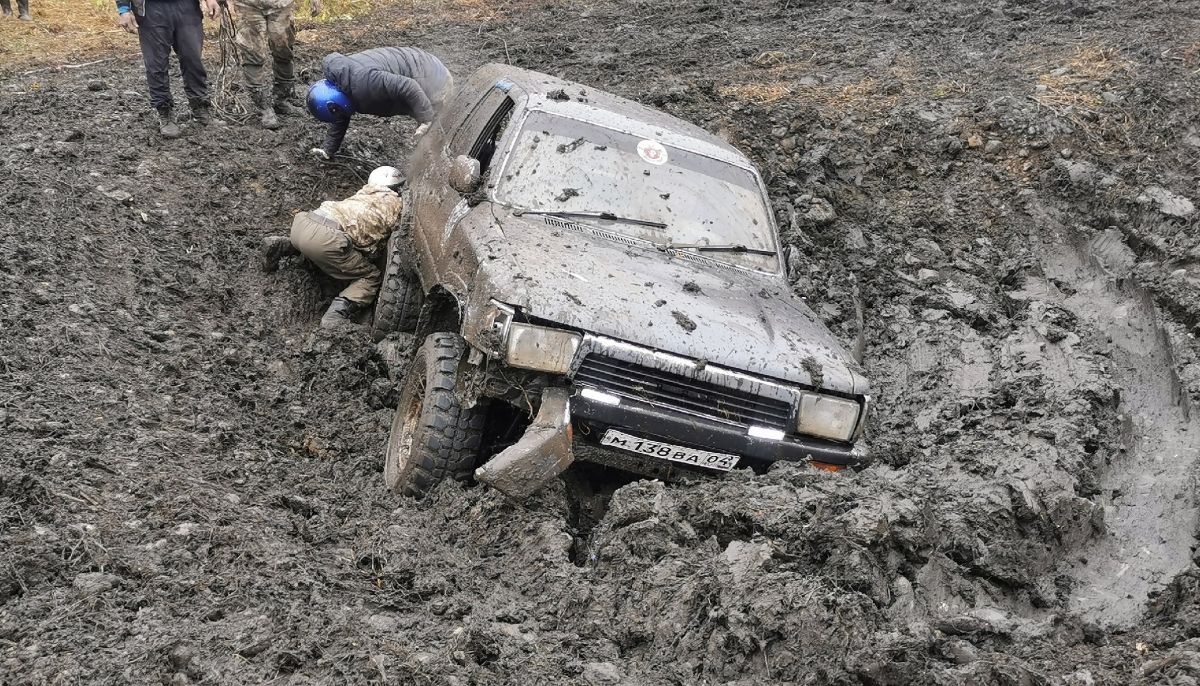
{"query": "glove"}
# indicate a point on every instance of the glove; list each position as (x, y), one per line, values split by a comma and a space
(320, 154)
(127, 21)
(420, 131)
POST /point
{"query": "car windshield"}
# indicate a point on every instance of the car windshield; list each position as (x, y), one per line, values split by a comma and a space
(640, 188)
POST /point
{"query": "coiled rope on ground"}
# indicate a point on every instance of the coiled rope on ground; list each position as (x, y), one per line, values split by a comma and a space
(226, 86)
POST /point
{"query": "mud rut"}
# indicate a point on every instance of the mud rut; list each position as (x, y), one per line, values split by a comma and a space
(1148, 487)
(190, 476)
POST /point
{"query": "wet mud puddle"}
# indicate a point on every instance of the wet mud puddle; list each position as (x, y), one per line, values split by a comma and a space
(1147, 489)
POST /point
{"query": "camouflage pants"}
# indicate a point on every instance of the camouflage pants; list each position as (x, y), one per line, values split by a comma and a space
(262, 31)
(323, 242)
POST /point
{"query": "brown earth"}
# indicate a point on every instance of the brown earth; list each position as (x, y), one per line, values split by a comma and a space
(190, 482)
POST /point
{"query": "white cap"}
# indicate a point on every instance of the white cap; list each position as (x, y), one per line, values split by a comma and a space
(386, 176)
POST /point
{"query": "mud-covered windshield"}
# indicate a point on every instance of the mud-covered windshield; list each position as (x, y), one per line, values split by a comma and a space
(677, 197)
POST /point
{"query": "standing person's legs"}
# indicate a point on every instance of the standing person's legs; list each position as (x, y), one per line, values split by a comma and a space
(189, 47)
(6, 7)
(251, 43)
(251, 40)
(331, 250)
(281, 39)
(155, 35)
(23, 8)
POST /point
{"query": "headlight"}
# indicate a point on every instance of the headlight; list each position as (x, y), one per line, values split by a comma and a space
(827, 417)
(541, 348)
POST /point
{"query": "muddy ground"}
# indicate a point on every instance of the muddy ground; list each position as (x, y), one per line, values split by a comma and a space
(190, 485)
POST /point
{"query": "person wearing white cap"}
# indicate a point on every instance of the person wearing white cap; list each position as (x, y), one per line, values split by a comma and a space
(339, 235)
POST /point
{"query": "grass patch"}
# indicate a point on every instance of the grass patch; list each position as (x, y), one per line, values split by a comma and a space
(776, 75)
(61, 31)
(865, 95)
(76, 31)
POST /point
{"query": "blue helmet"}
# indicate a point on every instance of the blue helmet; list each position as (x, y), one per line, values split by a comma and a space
(327, 102)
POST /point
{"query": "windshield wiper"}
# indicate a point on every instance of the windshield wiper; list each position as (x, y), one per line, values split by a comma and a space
(609, 216)
(704, 247)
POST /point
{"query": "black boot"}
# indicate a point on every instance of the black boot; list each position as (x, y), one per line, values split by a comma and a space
(285, 108)
(275, 248)
(284, 94)
(267, 109)
(201, 111)
(341, 311)
(166, 122)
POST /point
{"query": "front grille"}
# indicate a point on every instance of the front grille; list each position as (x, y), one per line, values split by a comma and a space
(679, 392)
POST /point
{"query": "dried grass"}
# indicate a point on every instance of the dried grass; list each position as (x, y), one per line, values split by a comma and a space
(61, 31)
(1065, 89)
(758, 93)
(772, 77)
(861, 96)
(67, 31)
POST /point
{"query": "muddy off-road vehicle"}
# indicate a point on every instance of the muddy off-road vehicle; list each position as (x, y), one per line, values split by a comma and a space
(596, 280)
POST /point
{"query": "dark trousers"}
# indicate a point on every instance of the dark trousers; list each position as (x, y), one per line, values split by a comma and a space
(22, 6)
(178, 25)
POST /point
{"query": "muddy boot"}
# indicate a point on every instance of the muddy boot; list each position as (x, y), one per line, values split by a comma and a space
(341, 312)
(284, 108)
(269, 120)
(285, 94)
(25, 17)
(275, 248)
(166, 122)
(266, 107)
(201, 111)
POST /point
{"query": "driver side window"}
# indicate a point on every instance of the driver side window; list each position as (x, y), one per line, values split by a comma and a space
(481, 133)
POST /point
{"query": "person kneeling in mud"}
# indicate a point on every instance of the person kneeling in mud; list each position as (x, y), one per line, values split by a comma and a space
(338, 237)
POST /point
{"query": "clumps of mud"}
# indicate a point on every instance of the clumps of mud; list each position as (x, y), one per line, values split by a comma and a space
(685, 322)
(191, 489)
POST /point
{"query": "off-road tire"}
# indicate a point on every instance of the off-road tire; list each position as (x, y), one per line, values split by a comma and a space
(398, 305)
(433, 436)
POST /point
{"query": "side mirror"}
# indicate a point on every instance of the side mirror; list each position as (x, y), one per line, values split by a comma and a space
(464, 174)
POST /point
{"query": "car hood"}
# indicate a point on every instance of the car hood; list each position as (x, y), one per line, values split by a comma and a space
(733, 318)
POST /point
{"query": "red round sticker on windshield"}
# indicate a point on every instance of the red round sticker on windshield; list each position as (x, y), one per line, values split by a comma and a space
(653, 152)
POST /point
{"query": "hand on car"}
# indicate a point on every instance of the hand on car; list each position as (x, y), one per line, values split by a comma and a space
(128, 22)
(210, 8)
(320, 154)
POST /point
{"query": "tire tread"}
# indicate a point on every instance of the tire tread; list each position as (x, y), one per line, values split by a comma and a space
(398, 305)
(448, 436)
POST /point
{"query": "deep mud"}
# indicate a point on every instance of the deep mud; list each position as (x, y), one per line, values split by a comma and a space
(190, 485)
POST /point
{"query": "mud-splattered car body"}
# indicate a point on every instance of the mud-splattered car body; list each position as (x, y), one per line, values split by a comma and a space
(616, 271)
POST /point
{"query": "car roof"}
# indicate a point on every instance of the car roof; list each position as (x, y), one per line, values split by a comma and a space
(593, 106)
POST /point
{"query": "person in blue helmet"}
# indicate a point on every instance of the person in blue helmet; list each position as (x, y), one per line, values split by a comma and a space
(385, 82)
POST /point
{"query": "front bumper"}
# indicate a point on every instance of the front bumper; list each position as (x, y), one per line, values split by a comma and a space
(707, 434)
(545, 450)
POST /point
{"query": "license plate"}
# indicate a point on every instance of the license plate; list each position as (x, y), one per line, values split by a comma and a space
(665, 451)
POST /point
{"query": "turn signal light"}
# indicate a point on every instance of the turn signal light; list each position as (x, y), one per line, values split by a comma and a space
(826, 467)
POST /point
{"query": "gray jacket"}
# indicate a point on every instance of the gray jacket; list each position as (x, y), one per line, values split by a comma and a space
(386, 82)
(389, 81)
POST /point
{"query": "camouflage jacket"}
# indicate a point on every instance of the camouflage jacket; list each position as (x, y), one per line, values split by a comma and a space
(263, 4)
(368, 216)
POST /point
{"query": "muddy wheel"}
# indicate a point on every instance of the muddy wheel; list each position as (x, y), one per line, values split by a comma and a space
(433, 436)
(398, 304)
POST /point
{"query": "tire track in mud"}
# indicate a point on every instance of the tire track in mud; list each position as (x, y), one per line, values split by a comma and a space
(1147, 490)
